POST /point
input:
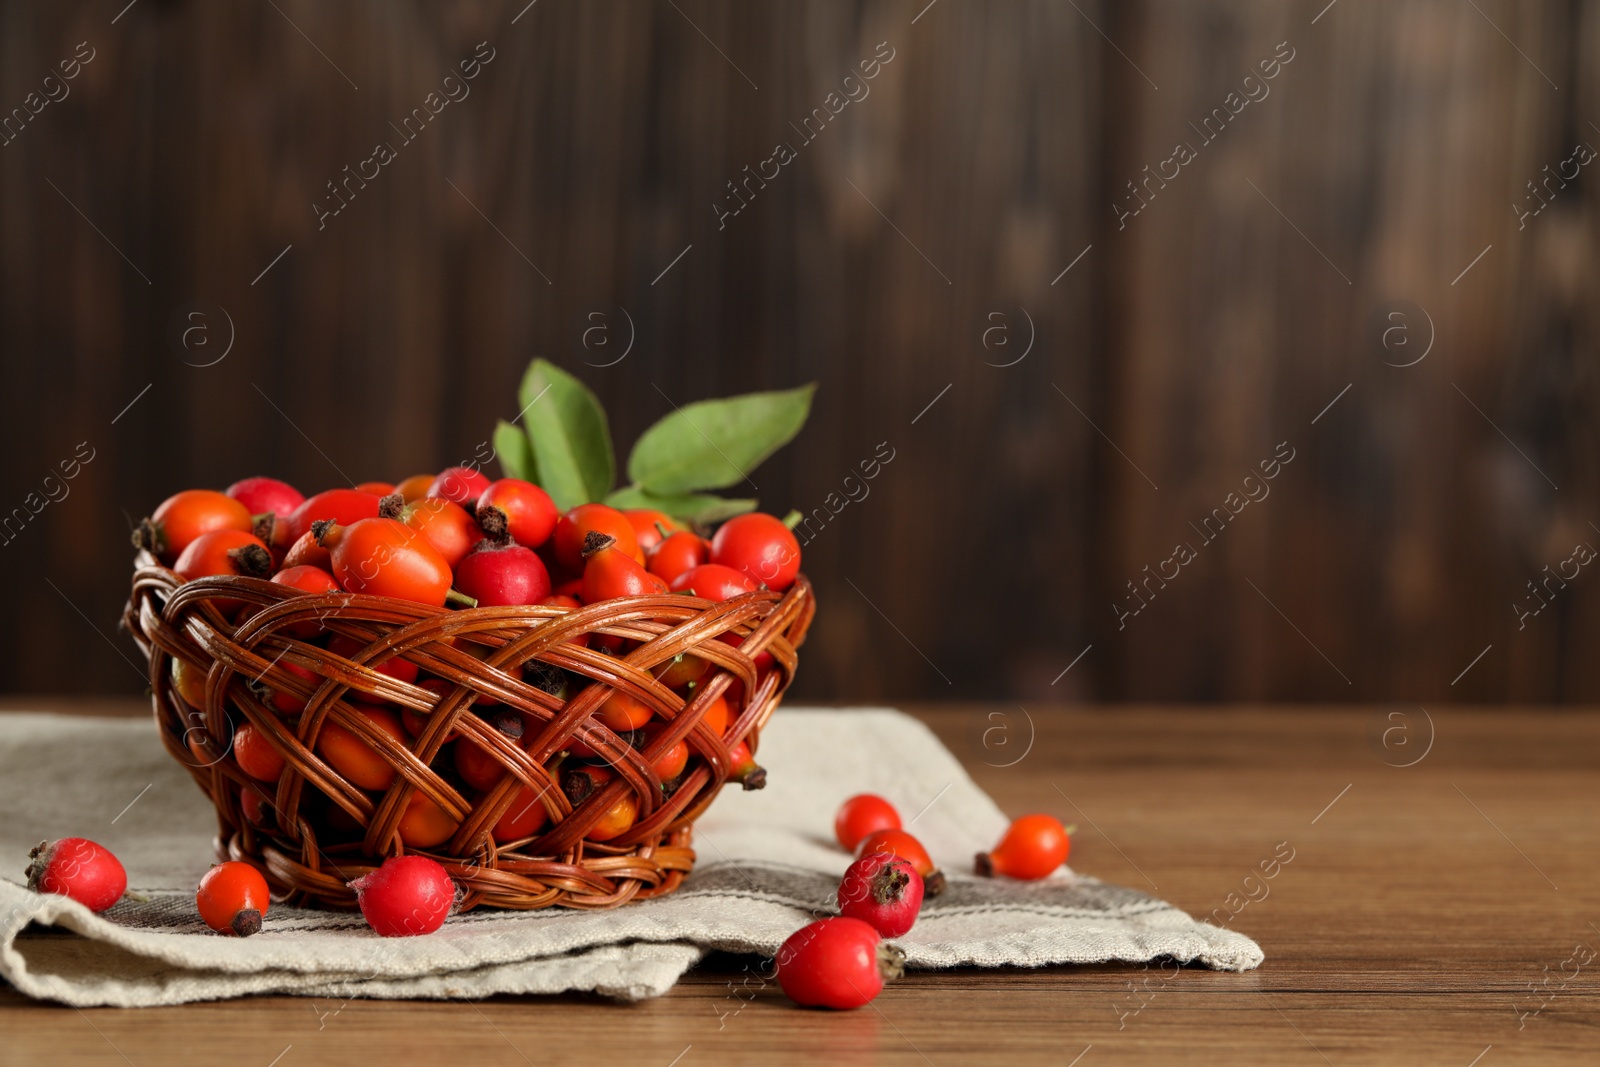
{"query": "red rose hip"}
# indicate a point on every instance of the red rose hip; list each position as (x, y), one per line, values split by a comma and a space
(263, 495)
(713, 581)
(498, 574)
(836, 963)
(861, 816)
(184, 516)
(909, 849)
(459, 485)
(232, 898)
(78, 868)
(883, 890)
(1033, 847)
(407, 896)
(530, 515)
(760, 546)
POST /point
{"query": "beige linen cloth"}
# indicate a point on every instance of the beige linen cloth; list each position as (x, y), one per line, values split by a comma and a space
(767, 865)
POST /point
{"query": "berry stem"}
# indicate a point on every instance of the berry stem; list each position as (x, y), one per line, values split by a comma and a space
(263, 526)
(147, 537)
(246, 922)
(494, 524)
(889, 884)
(252, 561)
(891, 961)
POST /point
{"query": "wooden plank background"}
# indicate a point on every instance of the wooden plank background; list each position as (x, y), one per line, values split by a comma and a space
(914, 252)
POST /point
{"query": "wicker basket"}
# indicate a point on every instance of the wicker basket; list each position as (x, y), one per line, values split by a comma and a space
(480, 651)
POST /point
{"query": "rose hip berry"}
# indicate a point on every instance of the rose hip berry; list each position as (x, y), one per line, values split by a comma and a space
(262, 496)
(760, 546)
(713, 581)
(184, 516)
(232, 898)
(836, 963)
(529, 513)
(909, 849)
(649, 527)
(861, 816)
(425, 824)
(414, 488)
(444, 525)
(1033, 847)
(576, 525)
(307, 579)
(678, 552)
(609, 572)
(305, 552)
(78, 868)
(459, 485)
(481, 768)
(353, 757)
(385, 557)
(525, 815)
(220, 552)
(883, 890)
(500, 572)
(255, 755)
(407, 896)
(343, 506)
(744, 768)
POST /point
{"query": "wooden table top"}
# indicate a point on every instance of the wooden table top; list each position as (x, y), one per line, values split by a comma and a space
(1443, 912)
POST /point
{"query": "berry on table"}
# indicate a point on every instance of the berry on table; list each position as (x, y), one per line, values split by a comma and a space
(407, 896)
(909, 849)
(861, 816)
(233, 898)
(78, 868)
(836, 963)
(883, 890)
(1033, 847)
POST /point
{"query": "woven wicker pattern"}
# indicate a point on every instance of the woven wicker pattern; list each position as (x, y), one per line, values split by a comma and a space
(499, 653)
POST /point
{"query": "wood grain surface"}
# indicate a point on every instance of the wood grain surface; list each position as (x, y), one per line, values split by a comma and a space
(1431, 914)
(1064, 391)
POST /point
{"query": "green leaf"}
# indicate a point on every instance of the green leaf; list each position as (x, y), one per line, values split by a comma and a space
(515, 452)
(713, 444)
(690, 507)
(567, 427)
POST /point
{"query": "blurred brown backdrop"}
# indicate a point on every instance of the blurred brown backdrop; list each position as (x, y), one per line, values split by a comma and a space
(1361, 209)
